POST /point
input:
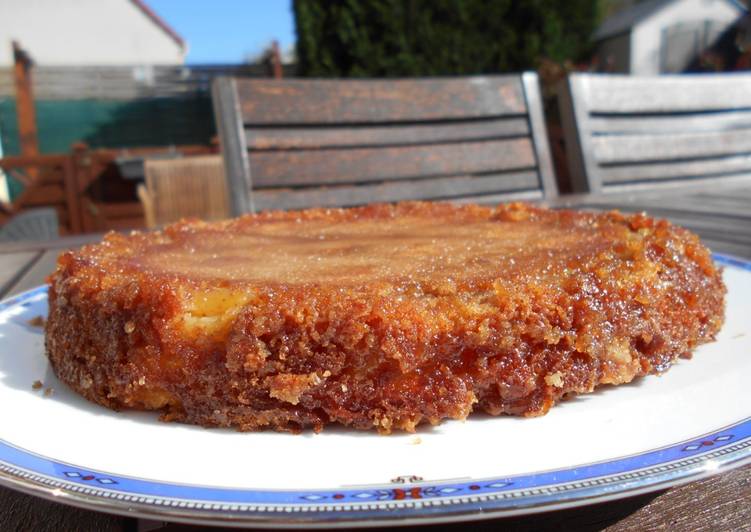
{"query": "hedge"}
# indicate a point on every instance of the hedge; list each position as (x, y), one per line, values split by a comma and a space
(400, 38)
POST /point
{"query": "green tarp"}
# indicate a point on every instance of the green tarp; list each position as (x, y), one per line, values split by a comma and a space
(112, 123)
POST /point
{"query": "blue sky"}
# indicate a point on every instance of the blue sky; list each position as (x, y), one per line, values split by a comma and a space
(226, 31)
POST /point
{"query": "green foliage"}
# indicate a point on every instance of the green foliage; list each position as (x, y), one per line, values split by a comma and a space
(374, 38)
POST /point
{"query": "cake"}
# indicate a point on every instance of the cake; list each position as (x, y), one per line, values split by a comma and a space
(379, 317)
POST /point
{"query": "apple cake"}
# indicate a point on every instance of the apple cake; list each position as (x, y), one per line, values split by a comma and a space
(379, 317)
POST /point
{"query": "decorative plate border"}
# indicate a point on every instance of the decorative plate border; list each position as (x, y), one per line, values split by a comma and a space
(406, 499)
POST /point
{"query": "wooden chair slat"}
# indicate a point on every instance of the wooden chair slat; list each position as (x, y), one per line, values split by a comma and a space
(234, 146)
(185, 187)
(676, 169)
(707, 224)
(670, 123)
(666, 93)
(433, 189)
(147, 203)
(641, 148)
(686, 184)
(44, 195)
(378, 101)
(496, 199)
(706, 205)
(354, 136)
(539, 134)
(362, 165)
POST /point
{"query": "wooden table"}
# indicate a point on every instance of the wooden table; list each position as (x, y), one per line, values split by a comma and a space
(721, 217)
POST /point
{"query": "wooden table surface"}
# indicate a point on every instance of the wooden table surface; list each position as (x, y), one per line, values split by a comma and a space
(721, 217)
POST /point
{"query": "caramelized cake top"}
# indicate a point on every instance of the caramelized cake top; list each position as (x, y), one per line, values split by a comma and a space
(409, 242)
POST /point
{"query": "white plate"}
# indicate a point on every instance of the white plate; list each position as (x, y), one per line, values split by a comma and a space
(619, 441)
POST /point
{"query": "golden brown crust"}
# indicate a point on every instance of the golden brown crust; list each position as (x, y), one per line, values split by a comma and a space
(380, 316)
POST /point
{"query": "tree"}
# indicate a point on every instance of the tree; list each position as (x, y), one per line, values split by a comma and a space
(397, 38)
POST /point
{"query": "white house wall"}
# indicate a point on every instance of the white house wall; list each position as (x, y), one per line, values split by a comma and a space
(646, 35)
(84, 32)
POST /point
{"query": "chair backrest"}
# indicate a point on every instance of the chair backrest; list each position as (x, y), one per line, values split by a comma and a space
(301, 143)
(627, 133)
(184, 187)
(35, 224)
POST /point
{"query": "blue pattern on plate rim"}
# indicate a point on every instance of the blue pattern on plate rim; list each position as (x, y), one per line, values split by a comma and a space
(407, 496)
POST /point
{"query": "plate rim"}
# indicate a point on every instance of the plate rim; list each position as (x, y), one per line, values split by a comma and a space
(277, 517)
(232, 521)
(403, 503)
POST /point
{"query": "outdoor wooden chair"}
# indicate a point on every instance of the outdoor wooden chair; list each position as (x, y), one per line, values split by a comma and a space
(182, 188)
(630, 134)
(302, 143)
(37, 224)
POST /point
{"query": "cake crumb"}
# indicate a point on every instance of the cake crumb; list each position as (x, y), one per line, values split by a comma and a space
(48, 391)
(129, 327)
(36, 385)
(416, 440)
(36, 321)
(554, 379)
(290, 387)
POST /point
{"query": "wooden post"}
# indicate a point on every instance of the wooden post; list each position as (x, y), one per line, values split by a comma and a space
(80, 157)
(26, 115)
(72, 196)
(276, 61)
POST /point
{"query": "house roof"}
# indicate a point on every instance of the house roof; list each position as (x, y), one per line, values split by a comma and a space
(159, 21)
(624, 20)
